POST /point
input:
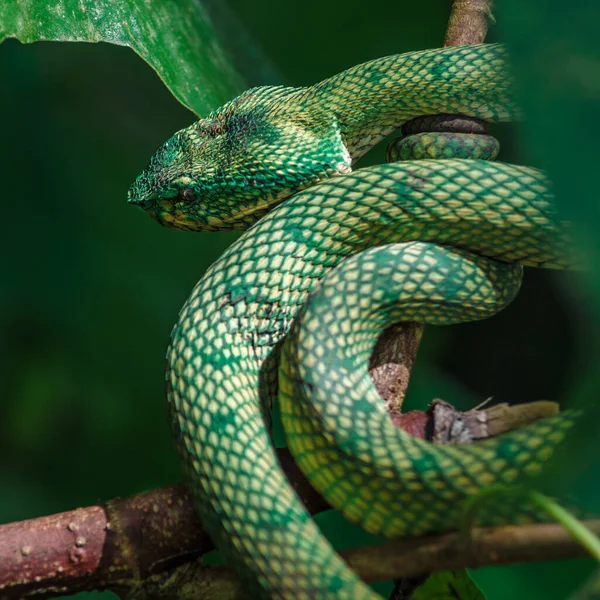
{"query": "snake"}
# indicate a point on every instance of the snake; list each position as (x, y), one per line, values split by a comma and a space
(331, 255)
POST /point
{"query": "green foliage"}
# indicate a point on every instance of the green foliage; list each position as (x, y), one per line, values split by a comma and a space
(92, 287)
(590, 590)
(557, 63)
(448, 585)
(176, 39)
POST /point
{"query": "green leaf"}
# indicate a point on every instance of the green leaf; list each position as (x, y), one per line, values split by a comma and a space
(175, 37)
(556, 57)
(448, 585)
(590, 590)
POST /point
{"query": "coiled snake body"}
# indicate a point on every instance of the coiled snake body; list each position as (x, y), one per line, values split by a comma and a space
(434, 241)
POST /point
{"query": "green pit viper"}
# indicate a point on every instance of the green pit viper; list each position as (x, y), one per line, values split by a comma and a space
(294, 307)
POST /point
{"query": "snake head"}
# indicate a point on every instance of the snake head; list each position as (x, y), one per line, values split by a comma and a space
(226, 171)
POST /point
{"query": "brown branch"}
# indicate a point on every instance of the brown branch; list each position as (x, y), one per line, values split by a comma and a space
(114, 545)
(151, 542)
(468, 22)
(392, 361)
(485, 546)
(407, 559)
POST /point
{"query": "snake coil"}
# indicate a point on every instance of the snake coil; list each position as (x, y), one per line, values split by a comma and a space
(336, 256)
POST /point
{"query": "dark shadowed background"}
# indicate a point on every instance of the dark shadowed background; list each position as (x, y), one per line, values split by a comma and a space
(91, 287)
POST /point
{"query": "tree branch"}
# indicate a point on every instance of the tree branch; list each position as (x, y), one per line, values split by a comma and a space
(468, 22)
(113, 545)
(408, 559)
(144, 542)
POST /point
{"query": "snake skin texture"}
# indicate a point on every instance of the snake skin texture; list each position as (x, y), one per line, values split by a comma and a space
(295, 306)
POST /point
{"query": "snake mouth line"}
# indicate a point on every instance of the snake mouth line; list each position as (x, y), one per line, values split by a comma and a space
(247, 211)
(169, 215)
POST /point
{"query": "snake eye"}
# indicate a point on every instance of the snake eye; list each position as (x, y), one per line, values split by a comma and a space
(187, 195)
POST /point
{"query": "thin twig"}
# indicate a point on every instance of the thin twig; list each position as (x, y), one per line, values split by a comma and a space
(409, 560)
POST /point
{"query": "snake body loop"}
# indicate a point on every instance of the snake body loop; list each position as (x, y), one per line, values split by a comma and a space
(345, 255)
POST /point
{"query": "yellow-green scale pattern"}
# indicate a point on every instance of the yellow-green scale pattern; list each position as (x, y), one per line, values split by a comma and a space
(372, 99)
(337, 428)
(444, 242)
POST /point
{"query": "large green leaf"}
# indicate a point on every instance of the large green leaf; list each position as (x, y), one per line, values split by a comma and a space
(556, 58)
(448, 585)
(590, 590)
(175, 37)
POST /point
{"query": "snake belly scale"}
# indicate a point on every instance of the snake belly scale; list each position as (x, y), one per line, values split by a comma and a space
(294, 307)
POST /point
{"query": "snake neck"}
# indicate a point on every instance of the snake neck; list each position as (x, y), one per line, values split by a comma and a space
(372, 99)
(228, 170)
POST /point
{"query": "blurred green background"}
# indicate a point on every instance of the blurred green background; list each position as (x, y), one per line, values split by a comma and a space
(91, 287)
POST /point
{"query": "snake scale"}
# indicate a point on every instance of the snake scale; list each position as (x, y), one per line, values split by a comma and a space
(294, 307)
